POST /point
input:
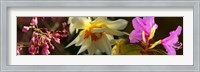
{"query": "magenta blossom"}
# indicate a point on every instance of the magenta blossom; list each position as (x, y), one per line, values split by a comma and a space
(146, 25)
(171, 43)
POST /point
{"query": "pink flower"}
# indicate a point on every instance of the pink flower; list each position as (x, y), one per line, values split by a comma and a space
(48, 40)
(56, 35)
(51, 46)
(25, 28)
(171, 43)
(34, 21)
(45, 50)
(64, 25)
(57, 40)
(43, 39)
(140, 25)
(35, 34)
(33, 50)
(18, 51)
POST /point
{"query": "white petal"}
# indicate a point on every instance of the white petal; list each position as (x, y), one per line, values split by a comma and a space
(71, 28)
(69, 20)
(86, 44)
(119, 24)
(73, 42)
(111, 39)
(91, 49)
(80, 22)
(76, 30)
(81, 39)
(77, 39)
(113, 32)
(97, 30)
(103, 44)
(115, 50)
(100, 20)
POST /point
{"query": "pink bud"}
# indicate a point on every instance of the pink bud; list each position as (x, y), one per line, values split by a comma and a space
(57, 40)
(45, 51)
(56, 35)
(51, 46)
(35, 34)
(42, 39)
(46, 46)
(48, 40)
(32, 40)
(33, 50)
(64, 24)
(37, 42)
(25, 29)
(64, 35)
(18, 51)
(34, 21)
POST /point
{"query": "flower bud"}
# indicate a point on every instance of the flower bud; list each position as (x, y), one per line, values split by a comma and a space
(57, 40)
(34, 21)
(25, 29)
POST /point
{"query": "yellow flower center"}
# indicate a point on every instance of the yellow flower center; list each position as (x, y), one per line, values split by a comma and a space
(94, 36)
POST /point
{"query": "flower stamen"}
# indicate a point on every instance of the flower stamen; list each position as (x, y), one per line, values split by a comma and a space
(94, 36)
(177, 45)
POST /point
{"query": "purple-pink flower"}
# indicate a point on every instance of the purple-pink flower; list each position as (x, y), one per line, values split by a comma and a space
(171, 43)
(142, 25)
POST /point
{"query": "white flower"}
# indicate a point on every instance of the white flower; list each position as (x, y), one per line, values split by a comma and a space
(96, 34)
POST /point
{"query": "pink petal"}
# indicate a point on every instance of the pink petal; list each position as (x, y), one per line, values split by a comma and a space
(64, 35)
(46, 46)
(25, 29)
(177, 31)
(56, 35)
(64, 24)
(170, 50)
(57, 40)
(35, 34)
(33, 50)
(48, 40)
(51, 46)
(42, 39)
(135, 34)
(33, 40)
(149, 21)
(138, 24)
(18, 51)
(34, 21)
(45, 51)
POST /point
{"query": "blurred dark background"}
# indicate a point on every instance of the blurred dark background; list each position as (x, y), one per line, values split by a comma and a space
(165, 25)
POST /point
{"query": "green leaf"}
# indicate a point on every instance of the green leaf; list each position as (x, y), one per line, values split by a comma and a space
(157, 52)
(132, 49)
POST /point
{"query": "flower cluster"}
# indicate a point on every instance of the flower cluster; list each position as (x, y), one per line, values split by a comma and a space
(19, 48)
(144, 30)
(41, 37)
(95, 34)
